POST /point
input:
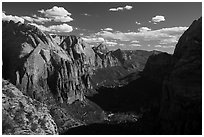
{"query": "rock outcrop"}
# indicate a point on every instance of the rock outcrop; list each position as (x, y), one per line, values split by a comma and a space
(38, 67)
(22, 115)
(51, 74)
(181, 109)
(104, 57)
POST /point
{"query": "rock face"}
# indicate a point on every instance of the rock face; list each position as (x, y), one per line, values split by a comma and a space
(54, 75)
(181, 109)
(180, 76)
(157, 67)
(22, 115)
(37, 66)
(104, 57)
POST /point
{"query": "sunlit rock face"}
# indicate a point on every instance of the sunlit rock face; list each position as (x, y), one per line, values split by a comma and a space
(104, 57)
(45, 71)
(22, 115)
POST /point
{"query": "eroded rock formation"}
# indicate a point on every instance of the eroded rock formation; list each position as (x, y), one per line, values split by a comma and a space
(54, 75)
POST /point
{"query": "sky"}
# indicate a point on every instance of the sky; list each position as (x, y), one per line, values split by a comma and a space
(124, 25)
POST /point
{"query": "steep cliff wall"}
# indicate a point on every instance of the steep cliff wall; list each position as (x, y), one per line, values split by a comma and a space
(180, 76)
(54, 75)
(181, 109)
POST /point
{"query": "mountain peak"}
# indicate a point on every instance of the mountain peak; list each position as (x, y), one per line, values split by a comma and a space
(102, 47)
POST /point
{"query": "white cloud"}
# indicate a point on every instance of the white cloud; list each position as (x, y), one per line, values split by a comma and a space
(173, 39)
(108, 29)
(138, 23)
(162, 35)
(160, 46)
(11, 17)
(136, 45)
(127, 7)
(58, 14)
(135, 41)
(93, 40)
(63, 28)
(110, 43)
(62, 19)
(157, 19)
(36, 19)
(144, 29)
(55, 11)
(41, 27)
(168, 46)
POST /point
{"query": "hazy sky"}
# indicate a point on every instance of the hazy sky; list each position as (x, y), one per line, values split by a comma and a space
(137, 25)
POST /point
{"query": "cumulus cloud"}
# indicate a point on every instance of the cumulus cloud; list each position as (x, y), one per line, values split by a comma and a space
(138, 23)
(63, 28)
(127, 7)
(62, 19)
(55, 11)
(58, 14)
(157, 19)
(11, 17)
(144, 29)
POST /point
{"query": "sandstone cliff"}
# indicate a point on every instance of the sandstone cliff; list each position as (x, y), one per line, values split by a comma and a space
(54, 75)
